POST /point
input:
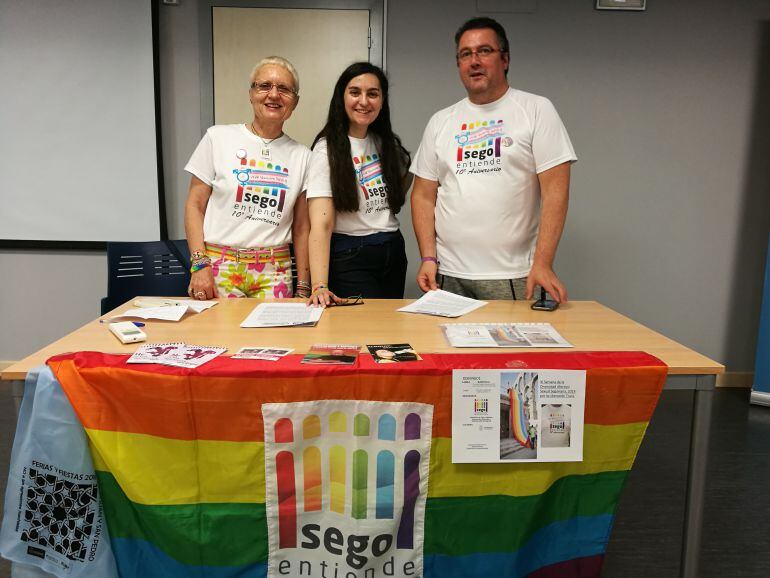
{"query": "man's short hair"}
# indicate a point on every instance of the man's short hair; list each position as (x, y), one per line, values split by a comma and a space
(484, 22)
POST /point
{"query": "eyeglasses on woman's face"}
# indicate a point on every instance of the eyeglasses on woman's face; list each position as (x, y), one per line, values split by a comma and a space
(266, 87)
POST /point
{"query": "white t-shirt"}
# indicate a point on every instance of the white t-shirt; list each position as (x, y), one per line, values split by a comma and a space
(254, 187)
(374, 214)
(556, 426)
(486, 159)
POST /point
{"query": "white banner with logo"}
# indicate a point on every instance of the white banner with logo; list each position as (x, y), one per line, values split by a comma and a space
(346, 483)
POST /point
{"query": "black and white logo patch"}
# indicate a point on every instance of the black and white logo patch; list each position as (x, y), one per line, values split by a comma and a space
(59, 514)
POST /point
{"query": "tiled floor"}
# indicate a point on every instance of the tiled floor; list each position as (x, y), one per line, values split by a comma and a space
(647, 536)
(736, 535)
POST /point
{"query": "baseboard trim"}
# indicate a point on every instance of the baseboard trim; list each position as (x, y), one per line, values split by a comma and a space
(744, 379)
(760, 398)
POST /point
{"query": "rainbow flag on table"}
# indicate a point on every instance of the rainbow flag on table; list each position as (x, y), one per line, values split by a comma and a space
(247, 468)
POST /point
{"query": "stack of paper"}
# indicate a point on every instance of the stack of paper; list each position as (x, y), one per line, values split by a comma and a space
(163, 313)
(193, 304)
(283, 315)
(443, 304)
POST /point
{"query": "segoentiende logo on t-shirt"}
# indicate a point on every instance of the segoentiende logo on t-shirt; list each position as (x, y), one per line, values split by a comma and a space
(373, 187)
(479, 146)
(261, 191)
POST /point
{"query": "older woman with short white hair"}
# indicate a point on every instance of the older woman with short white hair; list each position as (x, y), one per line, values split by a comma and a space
(246, 201)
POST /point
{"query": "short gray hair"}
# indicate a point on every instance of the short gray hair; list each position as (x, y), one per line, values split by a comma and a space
(277, 61)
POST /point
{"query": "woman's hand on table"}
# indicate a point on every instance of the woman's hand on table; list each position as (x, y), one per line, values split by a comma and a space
(202, 285)
(324, 298)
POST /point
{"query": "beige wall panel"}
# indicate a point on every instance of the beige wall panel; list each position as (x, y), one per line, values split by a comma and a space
(320, 44)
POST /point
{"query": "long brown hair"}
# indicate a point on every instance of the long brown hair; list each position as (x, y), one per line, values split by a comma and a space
(394, 158)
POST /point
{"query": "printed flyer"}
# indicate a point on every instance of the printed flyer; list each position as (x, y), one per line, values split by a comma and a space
(332, 354)
(503, 335)
(502, 416)
(393, 353)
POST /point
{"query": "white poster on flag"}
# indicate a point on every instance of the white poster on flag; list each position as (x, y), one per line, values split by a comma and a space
(345, 487)
(517, 416)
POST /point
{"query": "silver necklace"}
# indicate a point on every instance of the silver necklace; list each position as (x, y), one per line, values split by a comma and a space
(265, 143)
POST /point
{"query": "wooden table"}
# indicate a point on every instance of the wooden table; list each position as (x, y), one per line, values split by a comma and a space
(588, 325)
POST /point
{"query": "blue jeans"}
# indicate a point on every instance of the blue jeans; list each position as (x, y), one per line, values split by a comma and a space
(372, 266)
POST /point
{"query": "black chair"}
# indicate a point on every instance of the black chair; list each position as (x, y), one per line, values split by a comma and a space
(159, 268)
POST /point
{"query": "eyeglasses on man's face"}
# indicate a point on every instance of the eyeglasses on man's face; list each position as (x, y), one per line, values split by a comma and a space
(265, 87)
(482, 52)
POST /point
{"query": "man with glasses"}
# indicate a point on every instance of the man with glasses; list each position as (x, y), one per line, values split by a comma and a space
(491, 181)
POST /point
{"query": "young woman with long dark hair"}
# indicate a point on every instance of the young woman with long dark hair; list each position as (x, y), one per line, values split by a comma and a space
(357, 184)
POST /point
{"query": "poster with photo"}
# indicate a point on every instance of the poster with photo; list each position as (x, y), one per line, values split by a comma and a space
(331, 354)
(517, 416)
(393, 353)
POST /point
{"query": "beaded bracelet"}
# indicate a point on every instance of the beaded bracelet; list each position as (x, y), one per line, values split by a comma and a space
(198, 263)
(319, 287)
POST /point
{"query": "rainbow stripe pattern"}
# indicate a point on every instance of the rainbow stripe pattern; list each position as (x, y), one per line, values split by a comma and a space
(262, 177)
(311, 468)
(358, 467)
(180, 461)
(518, 420)
(369, 172)
(479, 135)
(480, 406)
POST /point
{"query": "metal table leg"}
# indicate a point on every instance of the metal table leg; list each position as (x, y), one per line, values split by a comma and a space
(17, 392)
(696, 476)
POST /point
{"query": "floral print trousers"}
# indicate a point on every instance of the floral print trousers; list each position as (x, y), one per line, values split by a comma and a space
(267, 280)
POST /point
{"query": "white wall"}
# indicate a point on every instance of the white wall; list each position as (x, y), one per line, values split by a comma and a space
(670, 206)
(46, 296)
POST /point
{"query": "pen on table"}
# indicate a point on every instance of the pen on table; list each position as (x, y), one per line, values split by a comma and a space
(137, 323)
